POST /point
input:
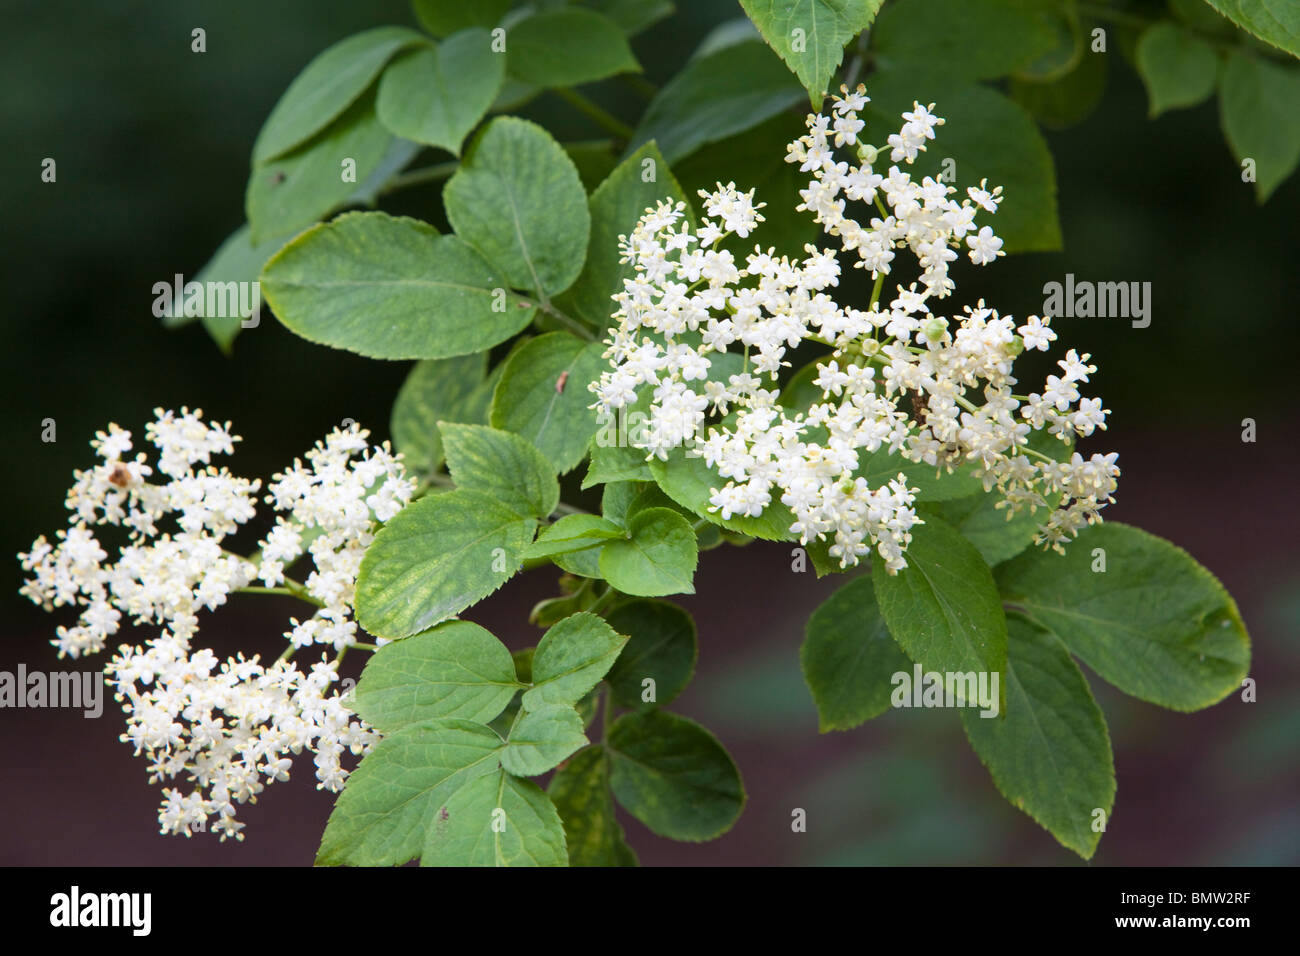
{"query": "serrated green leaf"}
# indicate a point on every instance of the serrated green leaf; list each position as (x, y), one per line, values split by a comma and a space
(1179, 68)
(541, 739)
(580, 792)
(661, 647)
(979, 39)
(500, 464)
(496, 820)
(612, 463)
(690, 482)
(715, 96)
(674, 776)
(1274, 21)
(436, 557)
(571, 659)
(1049, 754)
(1155, 623)
(633, 16)
(326, 87)
(943, 608)
(1257, 108)
(295, 190)
(573, 533)
(1068, 100)
(981, 522)
(390, 288)
(236, 260)
(456, 669)
(567, 46)
(883, 466)
(436, 95)
(658, 558)
(442, 18)
(810, 35)
(543, 396)
(518, 200)
(391, 799)
(434, 390)
(615, 207)
(616, 497)
(848, 658)
(987, 136)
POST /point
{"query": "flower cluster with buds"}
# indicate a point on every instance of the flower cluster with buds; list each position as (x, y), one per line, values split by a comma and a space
(705, 337)
(228, 727)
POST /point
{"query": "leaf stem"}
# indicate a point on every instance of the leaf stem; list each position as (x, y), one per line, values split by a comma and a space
(418, 177)
(596, 114)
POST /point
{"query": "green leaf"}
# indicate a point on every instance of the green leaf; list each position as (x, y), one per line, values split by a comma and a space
(810, 34)
(541, 739)
(1273, 21)
(567, 47)
(442, 18)
(673, 775)
(987, 136)
(236, 260)
(689, 481)
(456, 669)
(584, 563)
(543, 396)
(943, 608)
(436, 557)
(981, 522)
(659, 558)
(502, 465)
(571, 659)
(1178, 67)
(436, 95)
(299, 188)
(496, 820)
(633, 16)
(573, 533)
(392, 798)
(1068, 100)
(637, 184)
(435, 390)
(613, 463)
(615, 499)
(848, 658)
(1049, 754)
(390, 288)
(326, 87)
(661, 646)
(1257, 102)
(517, 199)
(882, 466)
(978, 40)
(580, 792)
(715, 96)
(1155, 623)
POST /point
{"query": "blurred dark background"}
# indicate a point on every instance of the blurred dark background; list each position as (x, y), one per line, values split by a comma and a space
(152, 144)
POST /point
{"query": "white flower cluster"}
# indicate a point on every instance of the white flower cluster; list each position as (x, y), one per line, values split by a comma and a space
(228, 727)
(707, 336)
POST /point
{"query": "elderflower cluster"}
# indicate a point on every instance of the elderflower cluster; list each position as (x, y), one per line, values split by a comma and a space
(704, 337)
(227, 727)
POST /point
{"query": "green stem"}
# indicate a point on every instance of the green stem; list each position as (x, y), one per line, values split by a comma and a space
(643, 87)
(418, 177)
(593, 112)
(568, 321)
(604, 601)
